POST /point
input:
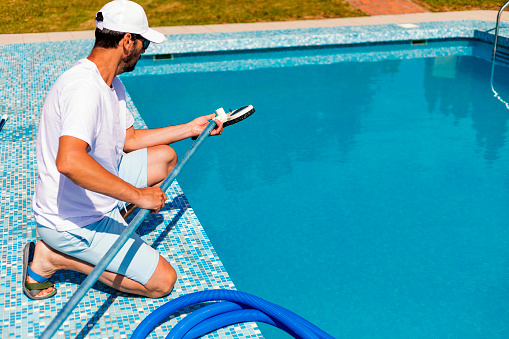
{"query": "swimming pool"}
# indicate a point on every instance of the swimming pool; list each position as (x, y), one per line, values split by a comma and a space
(28, 71)
(369, 197)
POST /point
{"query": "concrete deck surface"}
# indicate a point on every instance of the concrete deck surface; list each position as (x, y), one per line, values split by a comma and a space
(6, 39)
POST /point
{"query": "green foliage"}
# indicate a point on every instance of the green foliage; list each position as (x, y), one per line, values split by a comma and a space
(29, 16)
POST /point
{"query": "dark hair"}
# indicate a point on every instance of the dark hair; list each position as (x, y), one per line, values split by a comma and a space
(106, 38)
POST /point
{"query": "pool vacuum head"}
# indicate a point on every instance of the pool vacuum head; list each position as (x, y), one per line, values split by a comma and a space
(239, 114)
(232, 117)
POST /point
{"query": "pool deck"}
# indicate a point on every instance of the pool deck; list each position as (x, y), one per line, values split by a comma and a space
(29, 65)
(281, 25)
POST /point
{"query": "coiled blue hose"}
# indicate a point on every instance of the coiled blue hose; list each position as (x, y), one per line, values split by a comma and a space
(226, 319)
(219, 315)
(198, 316)
(288, 320)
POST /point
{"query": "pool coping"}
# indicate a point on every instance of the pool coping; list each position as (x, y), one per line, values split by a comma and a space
(483, 15)
(22, 128)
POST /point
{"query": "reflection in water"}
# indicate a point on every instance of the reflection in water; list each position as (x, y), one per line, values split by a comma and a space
(445, 67)
(349, 192)
(463, 92)
(493, 66)
(325, 102)
(294, 108)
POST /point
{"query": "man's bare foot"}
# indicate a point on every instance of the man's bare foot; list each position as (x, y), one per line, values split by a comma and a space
(43, 265)
(43, 292)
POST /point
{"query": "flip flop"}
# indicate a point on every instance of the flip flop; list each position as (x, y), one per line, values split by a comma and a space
(125, 213)
(32, 289)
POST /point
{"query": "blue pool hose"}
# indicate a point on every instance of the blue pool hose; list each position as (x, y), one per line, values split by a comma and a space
(300, 327)
(122, 239)
(207, 312)
(212, 317)
(227, 319)
(218, 315)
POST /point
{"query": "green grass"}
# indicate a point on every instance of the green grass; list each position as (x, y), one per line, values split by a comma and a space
(460, 5)
(32, 16)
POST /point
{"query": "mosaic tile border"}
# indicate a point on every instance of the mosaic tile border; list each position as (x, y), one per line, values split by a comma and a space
(196, 44)
(325, 36)
(27, 71)
(378, 52)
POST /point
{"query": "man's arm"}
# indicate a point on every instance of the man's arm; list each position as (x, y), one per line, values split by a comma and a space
(75, 163)
(143, 138)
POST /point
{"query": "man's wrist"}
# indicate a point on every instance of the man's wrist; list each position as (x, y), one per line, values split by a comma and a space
(132, 195)
(188, 130)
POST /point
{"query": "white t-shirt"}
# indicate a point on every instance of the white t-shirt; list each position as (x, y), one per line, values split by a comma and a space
(80, 104)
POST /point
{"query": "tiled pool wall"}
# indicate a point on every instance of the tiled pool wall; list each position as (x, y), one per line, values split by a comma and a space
(27, 72)
(374, 36)
(308, 37)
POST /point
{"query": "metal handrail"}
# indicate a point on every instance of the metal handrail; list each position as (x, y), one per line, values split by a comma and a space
(495, 53)
(498, 25)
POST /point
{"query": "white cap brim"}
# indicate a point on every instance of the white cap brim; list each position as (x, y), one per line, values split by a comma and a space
(153, 36)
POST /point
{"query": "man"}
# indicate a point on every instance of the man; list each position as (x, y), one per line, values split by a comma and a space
(90, 158)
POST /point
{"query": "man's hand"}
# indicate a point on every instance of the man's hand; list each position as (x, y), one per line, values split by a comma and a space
(75, 163)
(151, 198)
(199, 124)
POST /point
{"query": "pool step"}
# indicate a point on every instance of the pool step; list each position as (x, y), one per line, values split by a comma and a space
(502, 56)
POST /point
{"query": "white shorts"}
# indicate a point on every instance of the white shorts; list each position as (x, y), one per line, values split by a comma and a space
(136, 260)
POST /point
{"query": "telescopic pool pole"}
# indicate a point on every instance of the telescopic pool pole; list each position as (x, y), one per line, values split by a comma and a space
(130, 229)
(3, 121)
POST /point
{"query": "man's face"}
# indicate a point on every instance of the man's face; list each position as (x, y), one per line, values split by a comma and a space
(130, 60)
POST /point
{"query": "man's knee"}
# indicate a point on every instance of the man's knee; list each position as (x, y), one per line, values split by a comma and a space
(163, 154)
(162, 281)
(165, 285)
(170, 157)
(161, 161)
(167, 152)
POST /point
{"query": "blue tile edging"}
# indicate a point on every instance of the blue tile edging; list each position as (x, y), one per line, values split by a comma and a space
(215, 42)
(27, 72)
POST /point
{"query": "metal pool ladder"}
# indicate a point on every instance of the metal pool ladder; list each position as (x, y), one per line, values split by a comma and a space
(498, 25)
(495, 53)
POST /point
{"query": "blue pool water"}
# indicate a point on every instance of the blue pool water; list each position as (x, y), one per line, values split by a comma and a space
(370, 197)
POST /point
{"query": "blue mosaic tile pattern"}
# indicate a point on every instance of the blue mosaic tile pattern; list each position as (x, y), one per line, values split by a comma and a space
(303, 57)
(313, 37)
(305, 37)
(27, 72)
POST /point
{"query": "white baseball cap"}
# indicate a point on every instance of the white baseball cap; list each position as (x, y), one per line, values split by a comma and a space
(126, 16)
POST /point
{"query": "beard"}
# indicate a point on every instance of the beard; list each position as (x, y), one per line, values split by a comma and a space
(129, 62)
